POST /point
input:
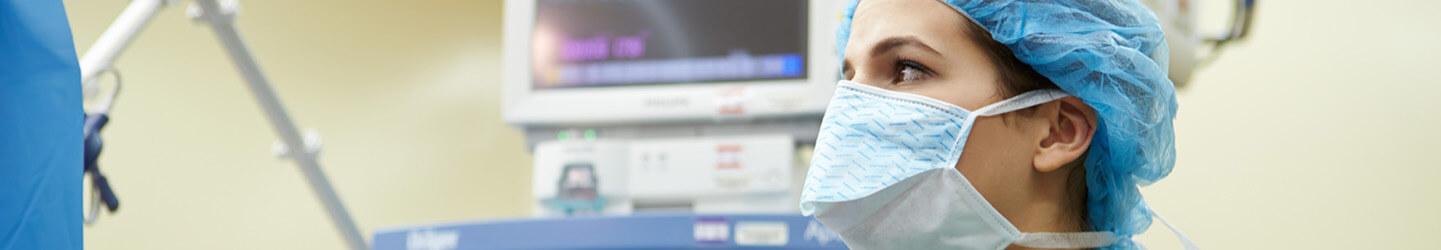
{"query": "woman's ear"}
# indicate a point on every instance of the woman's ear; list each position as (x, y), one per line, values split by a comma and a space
(1070, 127)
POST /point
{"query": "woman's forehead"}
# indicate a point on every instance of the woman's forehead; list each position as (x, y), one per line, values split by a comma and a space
(929, 21)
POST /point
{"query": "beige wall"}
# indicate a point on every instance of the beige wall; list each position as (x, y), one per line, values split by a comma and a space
(1319, 132)
(404, 94)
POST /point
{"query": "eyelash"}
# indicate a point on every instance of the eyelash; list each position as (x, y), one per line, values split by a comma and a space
(903, 65)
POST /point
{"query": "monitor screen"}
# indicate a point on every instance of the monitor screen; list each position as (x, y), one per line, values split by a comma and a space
(601, 43)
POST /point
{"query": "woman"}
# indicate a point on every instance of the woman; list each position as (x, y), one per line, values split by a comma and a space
(993, 124)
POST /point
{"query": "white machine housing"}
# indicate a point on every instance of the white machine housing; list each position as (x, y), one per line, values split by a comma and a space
(711, 147)
(737, 174)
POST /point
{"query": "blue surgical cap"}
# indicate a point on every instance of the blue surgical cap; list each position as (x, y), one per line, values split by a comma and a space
(1112, 55)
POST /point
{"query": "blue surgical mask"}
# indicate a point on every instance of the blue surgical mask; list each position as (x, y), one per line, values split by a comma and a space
(883, 175)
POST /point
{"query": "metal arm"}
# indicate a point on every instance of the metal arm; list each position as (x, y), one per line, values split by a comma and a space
(102, 54)
(1242, 14)
(221, 17)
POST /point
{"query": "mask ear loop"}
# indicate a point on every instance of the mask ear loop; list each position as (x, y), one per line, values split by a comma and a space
(1045, 239)
(1185, 241)
(1022, 101)
(1066, 240)
(1018, 102)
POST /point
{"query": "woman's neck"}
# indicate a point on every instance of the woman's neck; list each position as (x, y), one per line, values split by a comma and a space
(1056, 204)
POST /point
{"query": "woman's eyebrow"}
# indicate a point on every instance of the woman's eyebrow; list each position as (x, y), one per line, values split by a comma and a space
(893, 43)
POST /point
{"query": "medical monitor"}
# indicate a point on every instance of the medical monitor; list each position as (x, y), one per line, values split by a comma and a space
(574, 63)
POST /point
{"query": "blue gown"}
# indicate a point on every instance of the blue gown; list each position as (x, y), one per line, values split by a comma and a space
(40, 128)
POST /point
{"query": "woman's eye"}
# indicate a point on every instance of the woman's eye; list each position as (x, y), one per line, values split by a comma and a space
(911, 71)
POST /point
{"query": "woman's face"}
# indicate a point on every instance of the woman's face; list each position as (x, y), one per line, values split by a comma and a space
(922, 47)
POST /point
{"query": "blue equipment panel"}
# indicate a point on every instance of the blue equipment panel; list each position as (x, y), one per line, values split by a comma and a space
(641, 231)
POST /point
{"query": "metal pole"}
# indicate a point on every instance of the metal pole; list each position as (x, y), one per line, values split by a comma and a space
(220, 20)
(118, 36)
(101, 55)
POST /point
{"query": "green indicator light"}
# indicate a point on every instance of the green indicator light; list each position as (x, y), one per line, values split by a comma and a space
(562, 135)
(590, 134)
